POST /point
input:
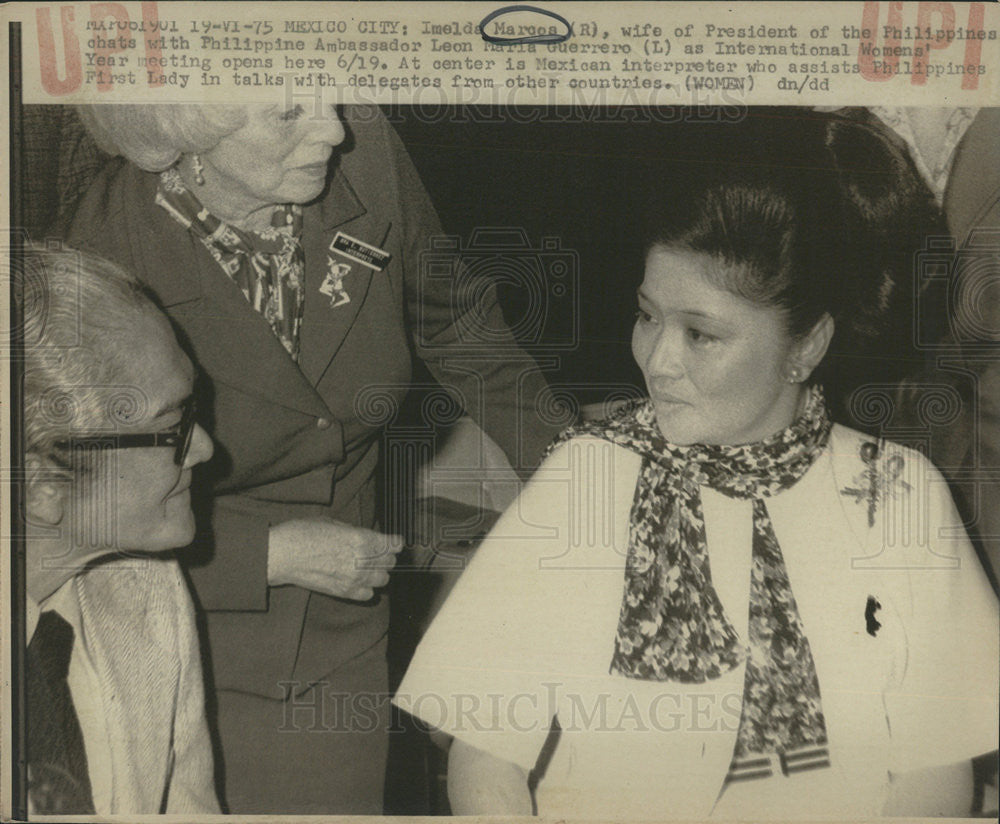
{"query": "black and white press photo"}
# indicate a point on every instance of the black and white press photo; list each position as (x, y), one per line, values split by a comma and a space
(503, 411)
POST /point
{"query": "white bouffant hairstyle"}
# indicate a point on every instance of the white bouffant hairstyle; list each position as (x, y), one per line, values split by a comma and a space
(77, 311)
(154, 136)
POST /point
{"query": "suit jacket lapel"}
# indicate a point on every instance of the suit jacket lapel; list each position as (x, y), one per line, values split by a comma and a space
(230, 341)
(243, 348)
(324, 325)
(116, 655)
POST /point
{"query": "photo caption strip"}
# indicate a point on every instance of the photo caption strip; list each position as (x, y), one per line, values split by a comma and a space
(491, 54)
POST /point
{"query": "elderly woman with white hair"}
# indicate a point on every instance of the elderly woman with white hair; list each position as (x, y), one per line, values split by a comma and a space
(294, 238)
(115, 716)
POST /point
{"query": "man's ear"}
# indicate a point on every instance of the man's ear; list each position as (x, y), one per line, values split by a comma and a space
(808, 352)
(44, 492)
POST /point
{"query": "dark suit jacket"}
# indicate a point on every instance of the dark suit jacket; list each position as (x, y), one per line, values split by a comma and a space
(303, 440)
(972, 208)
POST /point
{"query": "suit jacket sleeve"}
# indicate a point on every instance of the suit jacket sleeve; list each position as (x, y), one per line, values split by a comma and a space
(235, 576)
(501, 393)
(945, 709)
(972, 206)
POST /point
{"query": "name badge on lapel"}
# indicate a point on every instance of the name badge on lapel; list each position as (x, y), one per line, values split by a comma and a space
(346, 248)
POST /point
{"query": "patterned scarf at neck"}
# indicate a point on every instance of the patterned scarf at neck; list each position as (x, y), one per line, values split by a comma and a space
(268, 266)
(672, 626)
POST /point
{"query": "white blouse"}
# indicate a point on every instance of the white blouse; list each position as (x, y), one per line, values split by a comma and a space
(528, 634)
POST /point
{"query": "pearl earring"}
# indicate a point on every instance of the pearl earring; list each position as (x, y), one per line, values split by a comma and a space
(198, 168)
(794, 375)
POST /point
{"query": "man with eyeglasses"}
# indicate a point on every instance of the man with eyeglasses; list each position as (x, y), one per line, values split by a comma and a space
(115, 717)
(177, 437)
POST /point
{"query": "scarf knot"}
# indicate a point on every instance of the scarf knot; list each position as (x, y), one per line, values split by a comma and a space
(755, 470)
(672, 626)
(267, 266)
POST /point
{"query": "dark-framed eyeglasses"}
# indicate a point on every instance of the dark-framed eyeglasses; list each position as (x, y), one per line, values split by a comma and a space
(177, 437)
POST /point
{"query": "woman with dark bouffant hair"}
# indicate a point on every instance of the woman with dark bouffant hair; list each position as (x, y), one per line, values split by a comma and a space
(717, 602)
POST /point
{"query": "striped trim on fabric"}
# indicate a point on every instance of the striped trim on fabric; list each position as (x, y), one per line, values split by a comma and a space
(808, 758)
(746, 769)
(764, 765)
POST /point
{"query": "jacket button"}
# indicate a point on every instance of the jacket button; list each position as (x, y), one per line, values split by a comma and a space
(323, 423)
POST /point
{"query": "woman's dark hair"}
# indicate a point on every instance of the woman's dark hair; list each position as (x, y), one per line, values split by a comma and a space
(812, 214)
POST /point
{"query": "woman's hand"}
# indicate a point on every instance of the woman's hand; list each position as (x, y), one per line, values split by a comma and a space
(331, 557)
(482, 784)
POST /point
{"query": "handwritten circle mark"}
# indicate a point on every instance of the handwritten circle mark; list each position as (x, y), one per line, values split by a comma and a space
(531, 38)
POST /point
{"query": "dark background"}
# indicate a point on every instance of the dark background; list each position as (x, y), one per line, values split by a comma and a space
(572, 175)
(568, 177)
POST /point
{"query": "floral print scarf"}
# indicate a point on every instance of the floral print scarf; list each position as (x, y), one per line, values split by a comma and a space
(672, 626)
(269, 267)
